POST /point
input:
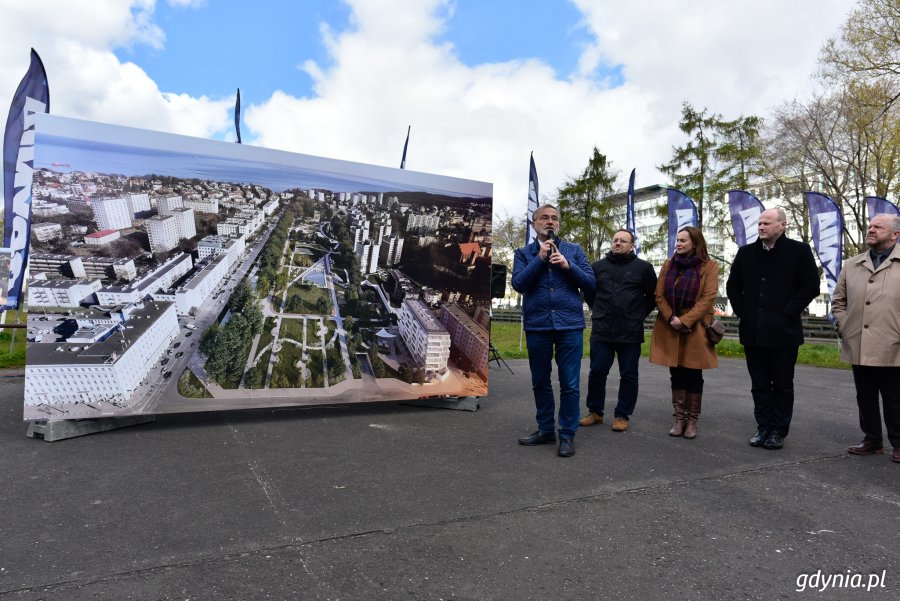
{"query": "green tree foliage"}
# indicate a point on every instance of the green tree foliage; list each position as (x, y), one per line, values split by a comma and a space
(208, 339)
(587, 215)
(241, 297)
(691, 167)
(262, 286)
(867, 50)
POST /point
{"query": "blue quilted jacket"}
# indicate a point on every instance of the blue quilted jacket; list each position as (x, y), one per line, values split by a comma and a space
(553, 297)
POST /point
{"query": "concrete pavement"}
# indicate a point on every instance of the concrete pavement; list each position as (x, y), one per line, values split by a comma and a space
(389, 501)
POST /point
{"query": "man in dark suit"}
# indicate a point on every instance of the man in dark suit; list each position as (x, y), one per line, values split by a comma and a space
(771, 282)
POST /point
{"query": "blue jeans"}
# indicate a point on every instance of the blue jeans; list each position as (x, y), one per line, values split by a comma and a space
(569, 348)
(602, 355)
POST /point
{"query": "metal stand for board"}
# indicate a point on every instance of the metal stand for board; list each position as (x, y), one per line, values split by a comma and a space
(496, 356)
(461, 403)
(52, 431)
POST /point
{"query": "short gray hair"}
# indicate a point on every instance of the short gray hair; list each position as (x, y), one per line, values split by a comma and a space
(545, 206)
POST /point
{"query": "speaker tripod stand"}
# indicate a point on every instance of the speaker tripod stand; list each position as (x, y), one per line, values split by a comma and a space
(496, 356)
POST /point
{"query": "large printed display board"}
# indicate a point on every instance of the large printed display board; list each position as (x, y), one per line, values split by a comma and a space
(172, 274)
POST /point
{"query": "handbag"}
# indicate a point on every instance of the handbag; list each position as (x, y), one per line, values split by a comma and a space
(715, 330)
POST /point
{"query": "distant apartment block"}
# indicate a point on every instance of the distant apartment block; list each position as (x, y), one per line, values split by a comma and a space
(163, 233)
(468, 336)
(368, 256)
(60, 293)
(104, 361)
(138, 203)
(48, 209)
(44, 232)
(395, 249)
(166, 204)
(427, 340)
(72, 266)
(161, 278)
(184, 222)
(111, 213)
(212, 245)
(422, 223)
(194, 291)
(203, 205)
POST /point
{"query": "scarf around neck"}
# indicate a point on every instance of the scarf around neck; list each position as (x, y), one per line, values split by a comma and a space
(682, 282)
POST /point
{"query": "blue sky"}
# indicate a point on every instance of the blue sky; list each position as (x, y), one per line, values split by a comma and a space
(483, 84)
(261, 47)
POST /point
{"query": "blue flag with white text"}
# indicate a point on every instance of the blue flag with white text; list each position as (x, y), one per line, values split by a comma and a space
(875, 205)
(32, 97)
(827, 224)
(630, 224)
(237, 115)
(405, 145)
(530, 235)
(682, 211)
(745, 210)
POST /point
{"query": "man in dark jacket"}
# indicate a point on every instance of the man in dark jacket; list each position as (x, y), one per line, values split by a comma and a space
(624, 297)
(771, 282)
(552, 274)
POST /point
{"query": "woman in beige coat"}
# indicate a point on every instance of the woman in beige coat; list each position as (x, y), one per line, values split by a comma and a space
(685, 292)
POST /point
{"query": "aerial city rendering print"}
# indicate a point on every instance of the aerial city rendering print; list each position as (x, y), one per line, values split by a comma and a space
(176, 274)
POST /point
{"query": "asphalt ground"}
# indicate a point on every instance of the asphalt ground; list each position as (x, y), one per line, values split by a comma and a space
(392, 501)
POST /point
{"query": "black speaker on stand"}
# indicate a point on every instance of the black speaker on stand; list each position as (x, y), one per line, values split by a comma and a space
(498, 290)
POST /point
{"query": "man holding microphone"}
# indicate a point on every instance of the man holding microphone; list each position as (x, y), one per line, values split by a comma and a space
(553, 275)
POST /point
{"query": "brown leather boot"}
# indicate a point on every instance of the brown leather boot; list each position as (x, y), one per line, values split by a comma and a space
(692, 404)
(679, 412)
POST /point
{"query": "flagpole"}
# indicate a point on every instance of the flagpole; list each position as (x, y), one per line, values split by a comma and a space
(532, 206)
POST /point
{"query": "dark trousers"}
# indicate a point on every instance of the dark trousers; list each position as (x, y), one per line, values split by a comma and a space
(602, 356)
(686, 378)
(772, 385)
(870, 381)
(567, 346)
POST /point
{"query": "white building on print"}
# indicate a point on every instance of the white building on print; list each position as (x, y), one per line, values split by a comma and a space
(111, 213)
(161, 278)
(203, 205)
(184, 222)
(60, 293)
(163, 233)
(427, 340)
(138, 203)
(104, 361)
(166, 204)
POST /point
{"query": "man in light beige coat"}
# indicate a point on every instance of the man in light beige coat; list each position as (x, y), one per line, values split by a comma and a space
(866, 309)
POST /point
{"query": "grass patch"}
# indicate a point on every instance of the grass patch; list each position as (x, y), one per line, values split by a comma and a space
(302, 298)
(285, 374)
(190, 386)
(292, 328)
(312, 333)
(505, 338)
(265, 337)
(316, 367)
(12, 348)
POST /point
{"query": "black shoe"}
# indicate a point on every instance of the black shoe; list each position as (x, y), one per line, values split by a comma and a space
(774, 441)
(759, 439)
(538, 438)
(566, 447)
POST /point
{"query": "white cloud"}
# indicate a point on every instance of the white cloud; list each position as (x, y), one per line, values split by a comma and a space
(75, 41)
(480, 122)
